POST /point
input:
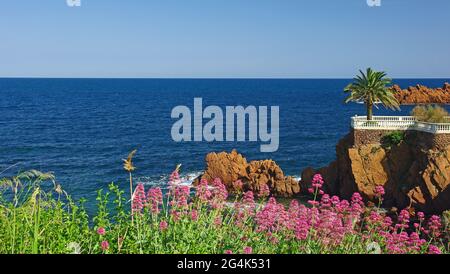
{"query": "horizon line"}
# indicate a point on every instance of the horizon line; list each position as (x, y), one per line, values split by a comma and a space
(212, 78)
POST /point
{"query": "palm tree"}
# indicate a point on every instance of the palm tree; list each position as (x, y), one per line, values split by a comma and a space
(371, 88)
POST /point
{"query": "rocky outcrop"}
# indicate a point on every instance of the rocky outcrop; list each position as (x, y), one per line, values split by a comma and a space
(230, 167)
(422, 95)
(414, 173)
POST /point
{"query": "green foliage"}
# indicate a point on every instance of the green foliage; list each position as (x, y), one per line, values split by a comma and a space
(430, 114)
(370, 88)
(43, 219)
(393, 139)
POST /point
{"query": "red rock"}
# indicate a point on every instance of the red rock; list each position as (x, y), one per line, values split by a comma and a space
(422, 95)
(413, 173)
(230, 167)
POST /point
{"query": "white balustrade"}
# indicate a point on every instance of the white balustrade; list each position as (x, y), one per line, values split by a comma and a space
(399, 123)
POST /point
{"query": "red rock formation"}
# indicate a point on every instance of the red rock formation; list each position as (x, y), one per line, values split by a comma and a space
(422, 95)
(230, 167)
(413, 173)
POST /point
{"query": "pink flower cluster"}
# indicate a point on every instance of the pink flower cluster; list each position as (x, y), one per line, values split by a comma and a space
(264, 191)
(181, 195)
(379, 191)
(139, 199)
(214, 195)
(238, 186)
(330, 219)
(203, 192)
(272, 217)
(326, 219)
(316, 188)
(219, 194)
(154, 199)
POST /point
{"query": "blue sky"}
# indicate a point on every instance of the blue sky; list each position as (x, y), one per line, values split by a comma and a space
(224, 38)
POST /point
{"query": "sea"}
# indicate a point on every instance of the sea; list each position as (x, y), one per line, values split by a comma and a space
(81, 129)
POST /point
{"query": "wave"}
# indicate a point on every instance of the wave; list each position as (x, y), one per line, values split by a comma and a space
(186, 179)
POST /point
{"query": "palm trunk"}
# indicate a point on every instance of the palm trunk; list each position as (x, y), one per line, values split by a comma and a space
(369, 111)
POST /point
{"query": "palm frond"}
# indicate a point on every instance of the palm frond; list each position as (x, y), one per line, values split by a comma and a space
(370, 87)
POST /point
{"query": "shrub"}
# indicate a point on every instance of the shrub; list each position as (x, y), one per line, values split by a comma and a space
(393, 139)
(430, 114)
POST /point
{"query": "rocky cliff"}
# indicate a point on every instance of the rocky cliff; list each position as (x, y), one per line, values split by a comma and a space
(422, 95)
(230, 167)
(413, 173)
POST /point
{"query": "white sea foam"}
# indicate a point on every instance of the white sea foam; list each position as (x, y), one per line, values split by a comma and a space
(186, 179)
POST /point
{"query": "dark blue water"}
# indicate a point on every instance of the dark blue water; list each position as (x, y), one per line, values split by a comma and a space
(82, 128)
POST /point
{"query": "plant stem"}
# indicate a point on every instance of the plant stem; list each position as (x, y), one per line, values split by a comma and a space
(131, 196)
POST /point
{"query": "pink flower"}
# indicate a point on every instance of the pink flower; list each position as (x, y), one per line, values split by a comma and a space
(248, 198)
(163, 225)
(180, 197)
(104, 245)
(302, 229)
(101, 231)
(174, 177)
(219, 194)
(155, 198)
(313, 203)
(356, 198)
(139, 199)
(317, 181)
(228, 251)
(434, 225)
(403, 219)
(421, 216)
(203, 193)
(379, 191)
(218, 221)
(248, 250)
(272, 217)
(194, 215)
(248, 202)
(335, 200)
(325, 201)
(316, 184)
(357, 205)
(238, 186)
(176, 215)
(432, 249)
(264, 191)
